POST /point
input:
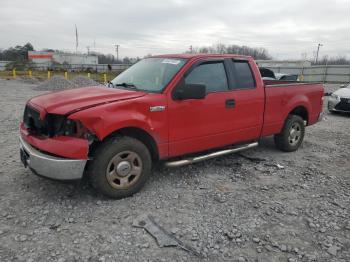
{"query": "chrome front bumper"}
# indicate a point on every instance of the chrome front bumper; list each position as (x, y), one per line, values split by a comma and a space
(51, 166)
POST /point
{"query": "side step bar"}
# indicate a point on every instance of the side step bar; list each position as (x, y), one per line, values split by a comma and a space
(197, 159)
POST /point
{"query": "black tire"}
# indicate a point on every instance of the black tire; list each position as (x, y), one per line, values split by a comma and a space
(290, 140)
(105, 159)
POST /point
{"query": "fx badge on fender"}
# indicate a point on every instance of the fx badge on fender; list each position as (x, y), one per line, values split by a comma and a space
(156, 108)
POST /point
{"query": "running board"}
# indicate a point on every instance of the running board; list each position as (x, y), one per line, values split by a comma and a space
(197, 159)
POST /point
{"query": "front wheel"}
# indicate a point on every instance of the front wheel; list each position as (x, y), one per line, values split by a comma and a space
(292, 134)
(120, 167)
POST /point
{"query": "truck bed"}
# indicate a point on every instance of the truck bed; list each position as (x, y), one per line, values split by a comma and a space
(282, 97)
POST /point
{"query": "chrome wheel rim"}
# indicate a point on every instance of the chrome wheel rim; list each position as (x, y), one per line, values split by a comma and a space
(294, 134)
(124, 169)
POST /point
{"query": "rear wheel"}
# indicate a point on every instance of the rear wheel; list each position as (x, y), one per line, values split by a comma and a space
(292, 134)
(120, 167)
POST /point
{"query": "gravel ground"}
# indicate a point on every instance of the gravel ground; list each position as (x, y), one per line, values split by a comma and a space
(55, 83)
(81, 81)
(260, 205)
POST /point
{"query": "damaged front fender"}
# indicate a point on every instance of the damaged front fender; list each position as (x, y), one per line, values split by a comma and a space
(104, 120)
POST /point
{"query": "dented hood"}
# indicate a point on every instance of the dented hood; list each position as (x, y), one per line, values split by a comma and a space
(69, 101)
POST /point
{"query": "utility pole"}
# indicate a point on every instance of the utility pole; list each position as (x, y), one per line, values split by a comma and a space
(88, 50)
(76, 39)
(117, 50)
(318, 50)
(191, 49)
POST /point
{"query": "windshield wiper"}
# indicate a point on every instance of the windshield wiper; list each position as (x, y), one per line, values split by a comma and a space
(127, 85)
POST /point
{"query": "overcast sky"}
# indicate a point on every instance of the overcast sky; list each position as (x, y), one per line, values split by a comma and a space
(286, 28)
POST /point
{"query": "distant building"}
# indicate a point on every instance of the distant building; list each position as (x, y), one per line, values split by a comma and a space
(47, 58)
(286, 63)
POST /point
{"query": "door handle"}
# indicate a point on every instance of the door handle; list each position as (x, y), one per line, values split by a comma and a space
(230, 103)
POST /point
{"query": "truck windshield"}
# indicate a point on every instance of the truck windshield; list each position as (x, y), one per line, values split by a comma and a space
(150, 74)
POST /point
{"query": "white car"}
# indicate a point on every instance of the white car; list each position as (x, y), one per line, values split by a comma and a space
(339, 101)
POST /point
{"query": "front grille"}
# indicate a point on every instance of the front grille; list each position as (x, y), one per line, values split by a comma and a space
(343, 105)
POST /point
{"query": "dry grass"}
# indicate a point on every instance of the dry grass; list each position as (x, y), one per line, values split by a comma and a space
(43, 75)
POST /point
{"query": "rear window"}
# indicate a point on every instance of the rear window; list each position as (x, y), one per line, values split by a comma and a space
(243, 75)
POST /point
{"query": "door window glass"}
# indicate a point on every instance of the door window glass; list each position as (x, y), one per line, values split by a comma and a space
(243, 75)
(212, 75)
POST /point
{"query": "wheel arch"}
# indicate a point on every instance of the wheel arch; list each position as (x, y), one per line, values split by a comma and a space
(300, 111)
(134, 132)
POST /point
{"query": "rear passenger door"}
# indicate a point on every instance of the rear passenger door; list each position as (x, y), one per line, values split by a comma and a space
(249, 96)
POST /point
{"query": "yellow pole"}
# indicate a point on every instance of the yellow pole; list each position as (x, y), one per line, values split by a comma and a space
(89, 75)
(14, 73)
(48, 74)
(66, 75)
(105, 78)
(30, 74)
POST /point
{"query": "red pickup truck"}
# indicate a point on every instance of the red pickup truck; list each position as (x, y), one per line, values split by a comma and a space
(176, 108)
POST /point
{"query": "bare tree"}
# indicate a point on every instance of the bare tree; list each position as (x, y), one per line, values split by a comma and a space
(257, 53)
(338, 60)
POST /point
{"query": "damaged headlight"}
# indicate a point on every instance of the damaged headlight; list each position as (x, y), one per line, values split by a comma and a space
(69, 127)
(58, 125)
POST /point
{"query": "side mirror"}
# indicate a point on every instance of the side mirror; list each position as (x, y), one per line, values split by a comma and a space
(185, 91)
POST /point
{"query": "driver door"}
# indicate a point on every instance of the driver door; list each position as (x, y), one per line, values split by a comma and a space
(199, 124)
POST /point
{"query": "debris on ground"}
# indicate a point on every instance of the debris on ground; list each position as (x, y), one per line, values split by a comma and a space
(274, 165)
(163, 238)
(55, 83)
(82, 81)
(279, 166)
(252, 159)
